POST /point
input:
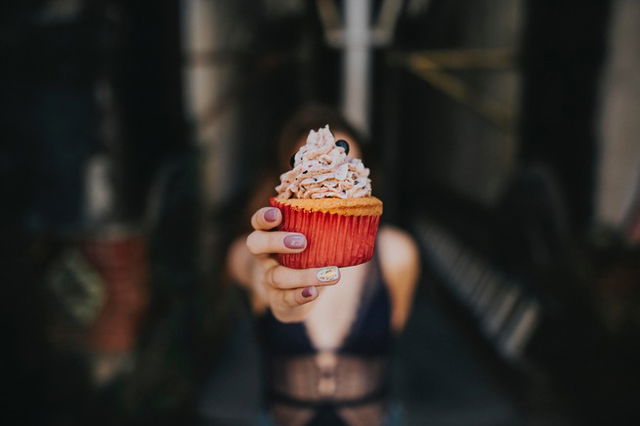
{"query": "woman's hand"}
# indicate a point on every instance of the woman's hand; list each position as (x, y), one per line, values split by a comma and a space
(287, 291)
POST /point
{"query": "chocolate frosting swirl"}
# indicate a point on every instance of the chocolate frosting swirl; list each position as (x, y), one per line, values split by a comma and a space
(323, 170)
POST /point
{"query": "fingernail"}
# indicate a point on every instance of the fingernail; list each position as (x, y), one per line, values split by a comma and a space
(308, 292)
(271, 215)
(295, 241)
(330, 273)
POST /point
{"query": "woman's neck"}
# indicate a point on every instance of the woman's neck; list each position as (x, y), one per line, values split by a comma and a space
(332, 317)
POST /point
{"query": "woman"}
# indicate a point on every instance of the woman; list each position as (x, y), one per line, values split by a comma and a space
(326, 342)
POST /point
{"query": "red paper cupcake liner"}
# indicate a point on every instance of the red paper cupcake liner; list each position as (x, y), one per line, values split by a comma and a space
(332, 239)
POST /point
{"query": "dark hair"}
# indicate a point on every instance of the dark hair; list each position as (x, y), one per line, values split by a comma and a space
(311, 117)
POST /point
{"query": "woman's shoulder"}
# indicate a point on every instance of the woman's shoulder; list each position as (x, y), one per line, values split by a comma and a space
(400, 266)
(396, 248)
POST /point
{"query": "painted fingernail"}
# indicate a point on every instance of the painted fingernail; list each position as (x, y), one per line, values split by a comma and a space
(271, 215)
(308, 292)
(295, 241)
(330, 273)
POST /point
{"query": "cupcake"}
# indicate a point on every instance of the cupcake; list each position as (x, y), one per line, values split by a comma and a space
(327, 197)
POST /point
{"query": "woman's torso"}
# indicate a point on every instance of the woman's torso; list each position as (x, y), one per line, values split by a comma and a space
(332, 369)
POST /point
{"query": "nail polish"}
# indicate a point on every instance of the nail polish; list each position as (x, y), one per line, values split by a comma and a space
(295, 241)
(327, 274)
(307, 292)
(271, 215)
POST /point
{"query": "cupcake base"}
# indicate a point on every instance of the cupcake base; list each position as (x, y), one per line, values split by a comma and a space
(333, 239)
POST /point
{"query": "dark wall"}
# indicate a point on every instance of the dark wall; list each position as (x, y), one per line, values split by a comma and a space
(563, 50)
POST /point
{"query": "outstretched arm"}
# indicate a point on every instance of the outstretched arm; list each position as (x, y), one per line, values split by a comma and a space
(288, 292)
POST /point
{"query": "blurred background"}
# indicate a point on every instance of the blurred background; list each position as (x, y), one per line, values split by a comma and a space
(504, 136)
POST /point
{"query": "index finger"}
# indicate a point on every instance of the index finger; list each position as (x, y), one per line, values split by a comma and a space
(266, 218)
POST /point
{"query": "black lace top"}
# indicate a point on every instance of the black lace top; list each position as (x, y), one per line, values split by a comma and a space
(347, 386)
